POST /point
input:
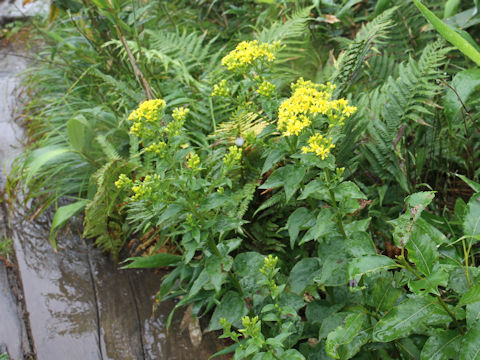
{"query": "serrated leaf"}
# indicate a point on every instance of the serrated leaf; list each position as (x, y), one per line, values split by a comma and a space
(410, 317)
(444, 345)
(344, 334)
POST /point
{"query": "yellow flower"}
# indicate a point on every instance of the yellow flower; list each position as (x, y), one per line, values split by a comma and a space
(157, 148)
(193, 161)
(180, 113)
(319, 145)
(266, 88)
(123, 182)
(147, 112)
(220, 89)
(309, 100)
(247, 53)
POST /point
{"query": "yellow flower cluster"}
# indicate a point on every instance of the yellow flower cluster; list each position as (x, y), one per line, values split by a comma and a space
(233, 156)
(308, 101)
(193, 161)
(145, 188)
(148, 112)
(179, 114)
(123, 182)
(157, 148)
(220, 89)
(319, 145)
(266, 88)
(247, 53)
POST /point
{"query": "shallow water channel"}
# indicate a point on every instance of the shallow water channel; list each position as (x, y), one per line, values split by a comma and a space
(74, 304)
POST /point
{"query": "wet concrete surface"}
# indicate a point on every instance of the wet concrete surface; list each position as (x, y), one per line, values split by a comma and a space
(77, 303)
(12, 327)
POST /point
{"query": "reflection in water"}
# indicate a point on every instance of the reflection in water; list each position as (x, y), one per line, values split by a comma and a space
(78, 299)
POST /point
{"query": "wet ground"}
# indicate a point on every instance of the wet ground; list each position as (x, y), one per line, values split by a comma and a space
(74, 304)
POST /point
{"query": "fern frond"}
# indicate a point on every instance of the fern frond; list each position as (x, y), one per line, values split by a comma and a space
(107, 148)
(397, 106)
(353, 58)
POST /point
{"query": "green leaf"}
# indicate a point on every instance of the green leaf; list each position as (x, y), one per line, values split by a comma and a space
(422, 250)
(247, 267)
(324, 225)
(464, 83)
(410, 317)
(344, 334)
(303, 274)
(291, 354)
(360, 244)
(152, 261)
(294, 178)
(444, 345)
(451, 7)
(471, 225)
(348, 190)
(474, 185)
(232, 308)
(416, 203)
(79, 132)
(315, 189)
(217, 269)
(319, 310)
(289, 177)
(471, 296)
(473, 314)
(331, 323)
(449, 34)
(358, 267)
(334, 271)
(273, 158)
(42, 156)
(470, 349)
(430, 284)
(62, 215)
(383, 295)
(295, 222)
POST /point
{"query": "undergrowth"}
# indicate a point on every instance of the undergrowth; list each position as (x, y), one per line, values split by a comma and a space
(306, 169)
